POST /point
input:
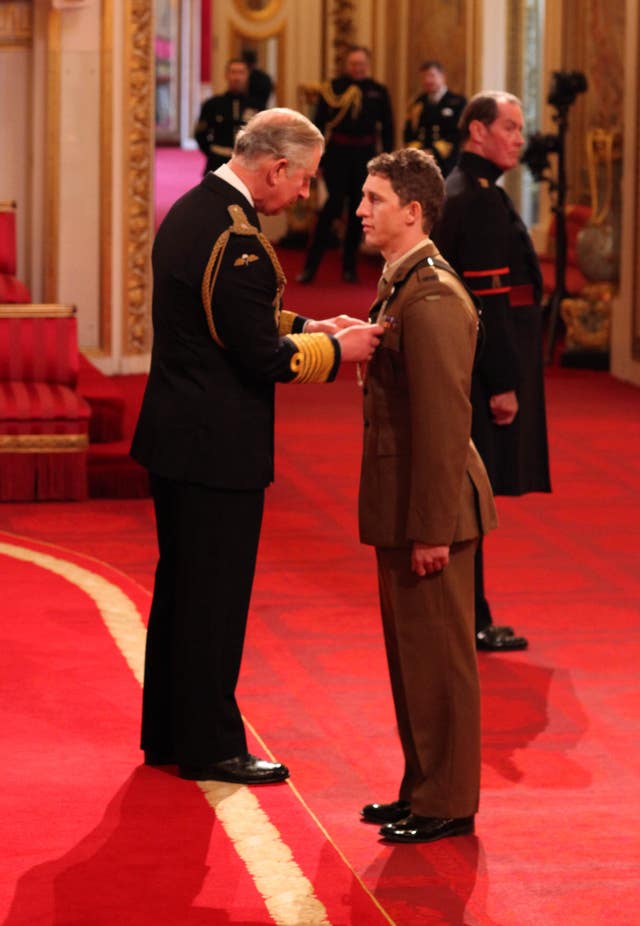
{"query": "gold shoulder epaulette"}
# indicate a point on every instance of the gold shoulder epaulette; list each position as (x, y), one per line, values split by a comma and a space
(351, 98)
(314, 358)
(240, 225)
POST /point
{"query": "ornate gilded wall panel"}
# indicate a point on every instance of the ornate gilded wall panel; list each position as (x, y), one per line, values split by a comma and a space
(594, 42)
(16, 22)
(52, 164)
(106, 174)
(438, 30)
(635, 311)
(138, 175)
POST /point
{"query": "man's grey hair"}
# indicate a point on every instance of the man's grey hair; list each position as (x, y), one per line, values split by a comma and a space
(483, 107)
(278, 133)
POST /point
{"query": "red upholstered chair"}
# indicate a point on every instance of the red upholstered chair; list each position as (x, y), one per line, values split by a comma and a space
(11, 289)
(44, 422)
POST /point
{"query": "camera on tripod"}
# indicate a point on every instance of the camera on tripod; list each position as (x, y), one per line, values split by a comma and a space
(565, 87)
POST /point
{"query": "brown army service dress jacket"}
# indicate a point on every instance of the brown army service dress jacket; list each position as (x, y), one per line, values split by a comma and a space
(422, 478)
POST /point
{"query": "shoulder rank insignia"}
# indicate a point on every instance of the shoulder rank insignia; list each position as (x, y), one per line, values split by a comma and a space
(240, 225)
(244, 260)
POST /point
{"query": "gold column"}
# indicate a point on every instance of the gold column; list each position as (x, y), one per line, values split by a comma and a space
(52, 168)
(138, 175)
(106, 174)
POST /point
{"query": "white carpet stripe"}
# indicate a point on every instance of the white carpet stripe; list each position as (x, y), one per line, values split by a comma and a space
(287, 893)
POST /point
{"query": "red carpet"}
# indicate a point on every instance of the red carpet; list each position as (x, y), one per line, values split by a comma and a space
(91, 837)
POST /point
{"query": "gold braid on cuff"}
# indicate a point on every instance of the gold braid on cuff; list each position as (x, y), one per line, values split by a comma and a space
(314, 358)
(286, 322)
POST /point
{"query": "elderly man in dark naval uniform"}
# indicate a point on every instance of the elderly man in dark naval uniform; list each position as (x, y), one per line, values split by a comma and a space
(221, 341)
(432, 120)
(222, 116)
(354, 112)
(483, 237)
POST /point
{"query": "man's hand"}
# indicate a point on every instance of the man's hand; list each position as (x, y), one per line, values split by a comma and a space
(504, 407)
(331, 325)
(358, 342)
(425, 559)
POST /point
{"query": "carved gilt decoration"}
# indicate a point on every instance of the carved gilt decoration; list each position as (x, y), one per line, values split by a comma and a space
(16, 23)
(344, 30)
(138, 167)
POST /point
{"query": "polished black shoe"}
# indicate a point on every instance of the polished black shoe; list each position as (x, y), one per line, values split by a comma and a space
(385, 813)
(158, 758)
(426, 829)
(305, 277)
(350, 276)
(243, 770)
(499, 640)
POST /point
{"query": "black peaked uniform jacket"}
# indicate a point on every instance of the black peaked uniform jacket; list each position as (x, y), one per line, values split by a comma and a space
(208, 411)
(362, 126)
(486, 242)
(221, 117)
(434, 127)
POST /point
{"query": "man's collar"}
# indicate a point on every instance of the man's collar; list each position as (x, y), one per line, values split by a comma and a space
(437, 96)
(224, 172)
(403, 265)
(480, 167)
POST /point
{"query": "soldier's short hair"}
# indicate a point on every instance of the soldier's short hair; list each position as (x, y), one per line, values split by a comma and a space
(350, 49)
(280, 133)
(414, 176)
(432, 63)
(483, 107)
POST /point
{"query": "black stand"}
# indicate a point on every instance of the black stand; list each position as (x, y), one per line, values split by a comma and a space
(560, 188)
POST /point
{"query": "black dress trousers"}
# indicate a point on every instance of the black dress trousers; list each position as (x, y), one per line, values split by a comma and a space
(208, 543)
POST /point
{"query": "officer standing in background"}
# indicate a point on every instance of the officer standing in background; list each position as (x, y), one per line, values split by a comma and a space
(222, 116)
(432, 120)
(354, 112)
(260, 83)
(485, 240)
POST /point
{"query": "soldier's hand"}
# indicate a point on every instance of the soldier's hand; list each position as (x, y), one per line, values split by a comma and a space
(358, 342)
(331, 325)
(426, 559)
(504, 407)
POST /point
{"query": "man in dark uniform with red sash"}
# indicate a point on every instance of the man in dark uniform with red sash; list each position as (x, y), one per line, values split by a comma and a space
(205, 433)
(483, 237)
(354, 112)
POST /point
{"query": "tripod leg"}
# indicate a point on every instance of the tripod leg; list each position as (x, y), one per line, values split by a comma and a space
(552, 330)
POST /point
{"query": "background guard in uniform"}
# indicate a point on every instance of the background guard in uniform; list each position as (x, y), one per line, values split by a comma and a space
(485, 240)
(354, 112)
(222, 116)
(432, 119)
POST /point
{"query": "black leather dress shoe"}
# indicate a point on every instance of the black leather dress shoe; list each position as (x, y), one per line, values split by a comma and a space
(426, 829)
(385, 813)
(158, 758)
(499, 639)
(305, 277)
(243, 770)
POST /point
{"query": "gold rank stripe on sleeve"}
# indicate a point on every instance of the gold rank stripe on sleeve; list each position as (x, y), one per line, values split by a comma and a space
(286, 322)
(314, 358)
(487, 282)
